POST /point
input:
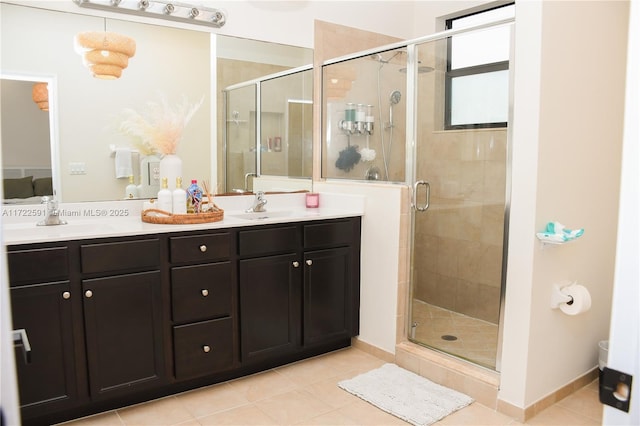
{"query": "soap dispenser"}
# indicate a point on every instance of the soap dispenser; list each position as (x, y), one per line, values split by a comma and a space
(131, 191)
(165, 197)
(179, 198)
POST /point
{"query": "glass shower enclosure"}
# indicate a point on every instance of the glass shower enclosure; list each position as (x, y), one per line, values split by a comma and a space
(440, 126)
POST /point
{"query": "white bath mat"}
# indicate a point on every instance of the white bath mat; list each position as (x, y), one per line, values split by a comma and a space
(406, 395)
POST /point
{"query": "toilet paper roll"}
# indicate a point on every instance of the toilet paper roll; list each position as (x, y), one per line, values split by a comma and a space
(581, 299)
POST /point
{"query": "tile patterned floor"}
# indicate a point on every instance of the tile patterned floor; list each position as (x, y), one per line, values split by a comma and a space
(477, 340)
(306, 393)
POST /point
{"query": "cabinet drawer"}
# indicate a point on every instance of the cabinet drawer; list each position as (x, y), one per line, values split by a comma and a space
(203, 348)
(200, 248)
(267, 241)
(201, 291)
(329, 234)
(38, 265)
(120, 256)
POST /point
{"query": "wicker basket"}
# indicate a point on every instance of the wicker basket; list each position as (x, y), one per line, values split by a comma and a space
(166, 218)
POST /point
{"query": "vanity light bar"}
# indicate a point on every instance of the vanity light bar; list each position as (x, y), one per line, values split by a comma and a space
(161, 9)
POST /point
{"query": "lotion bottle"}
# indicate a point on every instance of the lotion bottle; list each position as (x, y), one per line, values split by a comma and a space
(179, 198)
(165, 197)
(131, 191)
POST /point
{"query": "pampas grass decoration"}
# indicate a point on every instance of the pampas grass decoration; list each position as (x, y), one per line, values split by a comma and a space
(159, 129)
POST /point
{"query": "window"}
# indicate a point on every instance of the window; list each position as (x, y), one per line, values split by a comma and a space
(477, 78)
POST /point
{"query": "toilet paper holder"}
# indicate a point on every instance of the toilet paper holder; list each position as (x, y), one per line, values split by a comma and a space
(558, 297)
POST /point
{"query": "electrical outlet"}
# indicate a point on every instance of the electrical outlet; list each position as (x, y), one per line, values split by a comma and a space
(77, 169)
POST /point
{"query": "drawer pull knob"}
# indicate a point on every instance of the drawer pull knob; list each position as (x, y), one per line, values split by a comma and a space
(296, 264)
(206, 348)
(88, 293)
(203, 248)
(309, 262)
(205, 292)
(66, 295)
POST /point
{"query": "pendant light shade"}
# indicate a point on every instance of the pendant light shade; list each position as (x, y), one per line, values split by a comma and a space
(106, 54)
(40, 95)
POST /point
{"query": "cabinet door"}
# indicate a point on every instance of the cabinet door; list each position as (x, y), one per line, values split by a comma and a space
(269, 306)
(48, 381)
(327, 295)
(123, 325)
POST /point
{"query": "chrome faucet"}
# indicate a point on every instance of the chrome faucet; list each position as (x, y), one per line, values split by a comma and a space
(246, 180)
(258, 203)
(52, 213)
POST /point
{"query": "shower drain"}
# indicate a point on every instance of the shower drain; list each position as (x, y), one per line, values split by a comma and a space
(448, 337)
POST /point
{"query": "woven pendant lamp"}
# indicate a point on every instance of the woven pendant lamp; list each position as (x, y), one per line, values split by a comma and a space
(40, 95)
(106, 54)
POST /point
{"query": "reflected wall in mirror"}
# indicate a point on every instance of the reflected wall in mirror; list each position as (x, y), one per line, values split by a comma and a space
(280, 159)
(89, 108)
(174, 62)
(28, 138)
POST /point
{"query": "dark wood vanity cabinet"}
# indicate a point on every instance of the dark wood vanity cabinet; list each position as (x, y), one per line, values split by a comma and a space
(116, 321)
(299, 287)
(41, 300)
(122, 304)
(203, 299)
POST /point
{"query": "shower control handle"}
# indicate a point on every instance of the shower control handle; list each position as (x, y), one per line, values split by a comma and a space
(427, 188)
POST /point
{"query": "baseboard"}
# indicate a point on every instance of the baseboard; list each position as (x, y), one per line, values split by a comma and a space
(373, 350)
(524, 414)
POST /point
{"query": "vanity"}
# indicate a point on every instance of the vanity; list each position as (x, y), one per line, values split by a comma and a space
(133, 311)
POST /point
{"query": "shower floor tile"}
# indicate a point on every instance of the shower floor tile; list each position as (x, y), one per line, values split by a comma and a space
(476, 340)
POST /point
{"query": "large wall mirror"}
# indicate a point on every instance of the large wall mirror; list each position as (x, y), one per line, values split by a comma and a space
(170, 63)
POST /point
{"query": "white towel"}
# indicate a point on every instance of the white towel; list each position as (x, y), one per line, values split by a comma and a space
(123, 163)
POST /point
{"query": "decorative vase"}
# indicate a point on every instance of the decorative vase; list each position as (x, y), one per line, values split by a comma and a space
(170, 168)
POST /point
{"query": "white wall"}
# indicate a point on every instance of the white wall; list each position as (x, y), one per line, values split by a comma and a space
(379, 256)
(577, 66)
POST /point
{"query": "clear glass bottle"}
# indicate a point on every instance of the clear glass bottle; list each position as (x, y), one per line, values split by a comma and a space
(165, 198)
(179, 198)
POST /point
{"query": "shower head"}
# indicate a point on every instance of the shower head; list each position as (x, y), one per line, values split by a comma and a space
(395, 97)
(422, 69)
(378, 57)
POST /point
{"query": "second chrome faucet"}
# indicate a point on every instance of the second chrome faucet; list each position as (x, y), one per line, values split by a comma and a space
(258, 203)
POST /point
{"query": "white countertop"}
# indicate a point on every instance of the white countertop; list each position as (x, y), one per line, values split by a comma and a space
(122, 218)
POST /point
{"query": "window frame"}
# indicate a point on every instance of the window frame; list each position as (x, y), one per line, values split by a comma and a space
(468, 71)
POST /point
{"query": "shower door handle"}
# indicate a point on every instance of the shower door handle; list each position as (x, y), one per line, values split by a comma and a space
(427, 188)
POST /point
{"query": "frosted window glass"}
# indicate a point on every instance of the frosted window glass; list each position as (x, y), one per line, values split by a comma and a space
(484, 46)
(480, 98)
(480, 47)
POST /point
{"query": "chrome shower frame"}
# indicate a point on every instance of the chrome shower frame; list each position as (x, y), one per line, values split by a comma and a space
(411, 90)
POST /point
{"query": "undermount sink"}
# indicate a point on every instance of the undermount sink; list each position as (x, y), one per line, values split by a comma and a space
(263, 215)
(30, 230)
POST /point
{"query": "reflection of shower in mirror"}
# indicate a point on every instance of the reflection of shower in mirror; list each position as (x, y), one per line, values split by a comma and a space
(236, 118)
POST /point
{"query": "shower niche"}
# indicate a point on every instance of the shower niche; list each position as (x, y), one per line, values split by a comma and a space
(364, 115)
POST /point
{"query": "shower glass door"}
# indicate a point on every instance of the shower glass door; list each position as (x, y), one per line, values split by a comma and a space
(459, 201)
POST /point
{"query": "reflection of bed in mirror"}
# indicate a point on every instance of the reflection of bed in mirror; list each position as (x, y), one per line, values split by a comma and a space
(26, 185)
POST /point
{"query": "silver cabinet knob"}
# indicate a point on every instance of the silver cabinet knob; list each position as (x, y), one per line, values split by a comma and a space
(66, 295)
(203, 248)
(309, 262)
(88, 293)
(204, 292)
(206, 348)
(295, 264)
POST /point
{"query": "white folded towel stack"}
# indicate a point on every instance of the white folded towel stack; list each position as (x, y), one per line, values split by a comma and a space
(124, 168)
